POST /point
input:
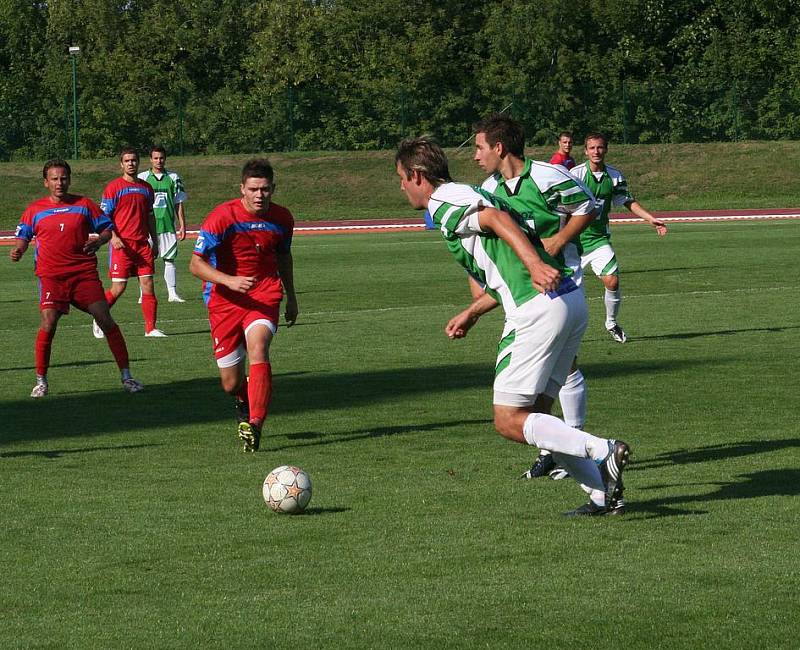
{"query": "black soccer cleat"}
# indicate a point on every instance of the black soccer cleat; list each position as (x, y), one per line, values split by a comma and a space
(618, 334)
(611, 468)
(590, 509)
(242, 411)
(542, 466)
(250, 435)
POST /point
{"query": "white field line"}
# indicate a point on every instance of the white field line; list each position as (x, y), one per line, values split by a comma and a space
(383, 310)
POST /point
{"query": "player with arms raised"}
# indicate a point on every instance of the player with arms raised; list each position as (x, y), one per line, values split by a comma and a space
(243, 255)
(66, 265)
(128, 202)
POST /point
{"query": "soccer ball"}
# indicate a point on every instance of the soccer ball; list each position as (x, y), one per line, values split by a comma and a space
(287, 489)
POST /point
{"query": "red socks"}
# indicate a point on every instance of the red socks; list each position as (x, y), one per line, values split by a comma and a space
(259, 391)
(110, 298)
(44, 342)
(149, 309)
(118, 348)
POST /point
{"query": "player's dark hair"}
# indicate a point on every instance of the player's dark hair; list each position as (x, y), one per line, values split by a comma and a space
(56, 162)
(498, 127)
(158, 149)
(258, 168)
(424, 155)
(126, 150)
(564, 134)
(596, 135)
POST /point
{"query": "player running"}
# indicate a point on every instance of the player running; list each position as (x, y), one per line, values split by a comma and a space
(169, 214)
(128, 202)
(610, 187)
(546, 313)
(66, 265)
(243, 255)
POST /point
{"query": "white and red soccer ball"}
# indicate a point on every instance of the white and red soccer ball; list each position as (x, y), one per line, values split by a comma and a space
(287, 489)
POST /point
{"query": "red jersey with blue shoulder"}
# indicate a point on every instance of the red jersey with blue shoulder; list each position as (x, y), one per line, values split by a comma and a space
(240, 243)
(128, 204)
(565, 160)
(61, 230)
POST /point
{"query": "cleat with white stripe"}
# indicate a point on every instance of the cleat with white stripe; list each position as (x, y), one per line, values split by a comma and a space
(611, 468)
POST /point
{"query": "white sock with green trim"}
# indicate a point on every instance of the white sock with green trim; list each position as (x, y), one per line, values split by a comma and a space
(170, 277)
(612, 300)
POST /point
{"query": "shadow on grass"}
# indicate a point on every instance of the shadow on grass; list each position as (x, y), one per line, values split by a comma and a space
(71, 364)
(201, 401)
(58, 453)
(661, 270)
(714, 453)
(315, 438)
(728, 332)
(767, 483)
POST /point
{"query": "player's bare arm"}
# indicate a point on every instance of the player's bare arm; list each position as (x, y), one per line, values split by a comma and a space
(19, 249)
(458, 326)
(543, 276)
(201, 269)
(576, 224)
(286, 269)
(638, 209)
(151, 228)
(95, 242)
(181, 217)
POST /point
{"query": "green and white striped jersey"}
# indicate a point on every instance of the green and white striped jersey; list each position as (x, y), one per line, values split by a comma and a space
(168, 190)
(544, 194)
(454, 208)
(610, 188)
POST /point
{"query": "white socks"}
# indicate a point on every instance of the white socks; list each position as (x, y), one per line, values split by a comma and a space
(583, 470)
(612, 300)
(550, 433)
(170, 277)
(573, 397)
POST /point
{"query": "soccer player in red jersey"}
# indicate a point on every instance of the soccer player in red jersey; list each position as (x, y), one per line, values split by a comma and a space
(243, 255)
(128, 202)
(66, 265)
(563, 156)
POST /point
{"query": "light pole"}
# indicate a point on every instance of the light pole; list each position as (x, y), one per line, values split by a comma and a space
(74, 51)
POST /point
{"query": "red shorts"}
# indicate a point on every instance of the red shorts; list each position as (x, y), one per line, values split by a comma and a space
(81, 290)
(135, 260)
(228, 325)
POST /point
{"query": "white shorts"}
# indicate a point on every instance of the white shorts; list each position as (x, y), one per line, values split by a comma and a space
(168, 246)
(603, 261)
(540, 341)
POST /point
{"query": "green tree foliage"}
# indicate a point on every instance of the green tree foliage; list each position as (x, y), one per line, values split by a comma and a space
(241, 76)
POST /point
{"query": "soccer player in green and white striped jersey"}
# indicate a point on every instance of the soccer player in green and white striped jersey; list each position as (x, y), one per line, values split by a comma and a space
(561, 208)
(169, 213)
(545, 310)
(610, 187)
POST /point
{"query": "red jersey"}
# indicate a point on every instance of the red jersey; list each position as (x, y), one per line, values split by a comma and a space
(61, 230)
(128, 204)
(237, 242)
(562, 159)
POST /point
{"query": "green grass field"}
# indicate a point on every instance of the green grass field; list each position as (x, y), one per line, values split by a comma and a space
(361, 185)
(134, 521)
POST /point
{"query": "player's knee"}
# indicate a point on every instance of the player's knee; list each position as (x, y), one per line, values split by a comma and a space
(611, 282)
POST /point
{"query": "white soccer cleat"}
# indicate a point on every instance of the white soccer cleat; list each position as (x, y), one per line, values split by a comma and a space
(155, 334)
(175, 298)
(130, 385)
(40, 389)
(98, 333)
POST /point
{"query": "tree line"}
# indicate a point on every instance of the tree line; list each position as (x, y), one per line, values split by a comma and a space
(235, 76)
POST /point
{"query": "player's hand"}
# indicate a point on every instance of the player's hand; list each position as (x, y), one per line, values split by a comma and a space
(181, 233)
(240, 284)
(552, 245)
(91, 245)
(660, 226)
(545, 278)
(458, 326)
(290, 314)
(116, 242)
(15, 254)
